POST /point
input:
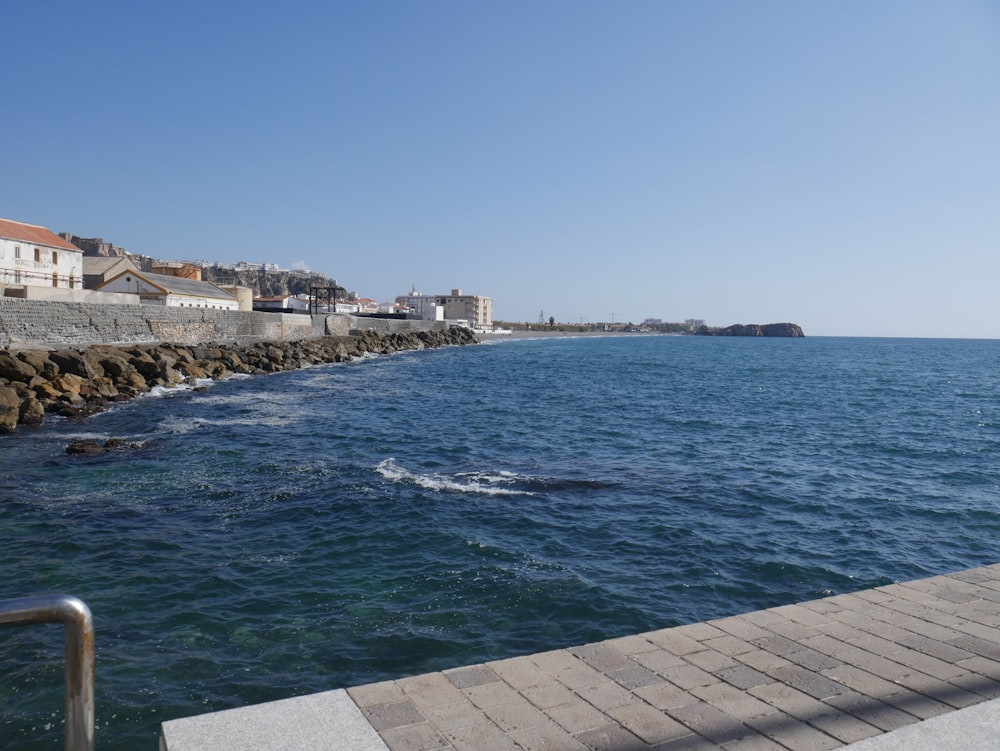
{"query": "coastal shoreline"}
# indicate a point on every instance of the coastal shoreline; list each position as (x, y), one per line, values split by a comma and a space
(83, 381)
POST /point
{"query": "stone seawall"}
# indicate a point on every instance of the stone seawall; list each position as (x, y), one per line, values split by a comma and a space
(42, 324)
(81, 381)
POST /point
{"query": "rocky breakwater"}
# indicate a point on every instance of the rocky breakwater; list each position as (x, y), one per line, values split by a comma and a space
(81, 382)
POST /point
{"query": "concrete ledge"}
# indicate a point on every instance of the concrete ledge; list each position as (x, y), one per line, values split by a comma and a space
(976, 728)
(329, 721)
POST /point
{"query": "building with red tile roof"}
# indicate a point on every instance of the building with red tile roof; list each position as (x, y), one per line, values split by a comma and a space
(33, 256)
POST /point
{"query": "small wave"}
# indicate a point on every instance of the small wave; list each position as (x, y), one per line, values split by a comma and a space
(178, 388)
(484, 483)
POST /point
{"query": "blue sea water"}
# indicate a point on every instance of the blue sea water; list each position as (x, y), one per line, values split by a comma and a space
(350, 523)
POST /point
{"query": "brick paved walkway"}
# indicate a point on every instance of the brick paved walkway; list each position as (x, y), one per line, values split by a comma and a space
(817, 675)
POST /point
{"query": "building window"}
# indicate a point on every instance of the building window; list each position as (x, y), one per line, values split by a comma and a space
(38, 255)
(55, 258)
(17, 276)
(17, 251)
(72, 282)
(55, 279)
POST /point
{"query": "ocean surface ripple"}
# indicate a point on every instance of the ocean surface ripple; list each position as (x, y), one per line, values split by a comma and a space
(351, 523)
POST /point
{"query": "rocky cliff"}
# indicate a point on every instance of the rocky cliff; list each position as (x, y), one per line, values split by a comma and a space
(269, 283)
(754, 329)
(263, 283)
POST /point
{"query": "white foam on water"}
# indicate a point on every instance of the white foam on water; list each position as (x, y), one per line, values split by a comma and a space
(482, 483)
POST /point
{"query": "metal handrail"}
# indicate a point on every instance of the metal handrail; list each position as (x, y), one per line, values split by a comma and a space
(75, 616)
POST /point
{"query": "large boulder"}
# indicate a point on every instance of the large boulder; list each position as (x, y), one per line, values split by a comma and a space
(85, 364)
(40, 361)
(10, 409)
(15, 369)
(31, 412)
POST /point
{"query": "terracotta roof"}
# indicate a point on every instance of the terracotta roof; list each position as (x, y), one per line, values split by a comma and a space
(34, 235)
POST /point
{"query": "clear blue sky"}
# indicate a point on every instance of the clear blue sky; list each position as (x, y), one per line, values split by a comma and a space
(835, 163)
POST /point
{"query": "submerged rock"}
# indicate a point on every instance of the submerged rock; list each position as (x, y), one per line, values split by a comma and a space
(94, 448)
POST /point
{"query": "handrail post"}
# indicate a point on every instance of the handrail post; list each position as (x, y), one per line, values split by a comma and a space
(78, 625)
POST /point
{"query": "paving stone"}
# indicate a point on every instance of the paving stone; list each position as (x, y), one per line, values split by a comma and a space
(555, 661)
(674, 642)
(602, 657)
(711, 723)
(423, 737)
(450, 717)
(490, 694)
(743, 676)
(689, 676)
(548, 737)
(386, 692)
(700, 631)
(429, 690)
(710, 660)
(762, 660)
(754, 743)
(729, 645)
(872, 711)
(918, 705)
(521, 673)
(610, 737)
(474, 676)
(664, 695)
(740, 627)
(801, 615)
(817, 686)
(606, 695)
(792, 701)
(648, 723)
(943, 691)
(631, 645)
(988, 688)
(393, 715)
(732, 701)
(575, 718)
(691, 742)
(844, 727)
(979, 646)
(659, 660)
(793, 630)
(481, 736)
(981, 665)
(927, 664)
(862, 681)
(519, 714)
(795, 736)
(545, 697)
(635, 677)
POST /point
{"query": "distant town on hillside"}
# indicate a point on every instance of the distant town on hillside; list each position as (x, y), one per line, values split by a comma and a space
(36, 263)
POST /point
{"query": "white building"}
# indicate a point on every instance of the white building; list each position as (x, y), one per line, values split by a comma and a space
(170, 291)
(475, 309)
(426, 307)
(33, 256)
(282, 304)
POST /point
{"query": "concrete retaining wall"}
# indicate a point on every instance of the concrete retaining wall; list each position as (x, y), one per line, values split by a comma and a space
(48, 324)
(39, 324)
(381, 325)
